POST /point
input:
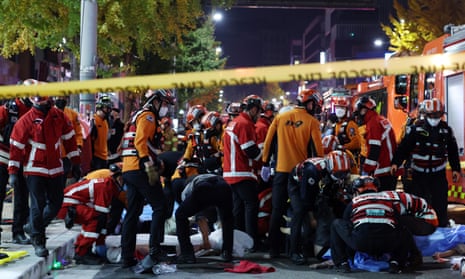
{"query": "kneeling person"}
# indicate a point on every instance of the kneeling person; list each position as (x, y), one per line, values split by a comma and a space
(203, 191)
(87, 202)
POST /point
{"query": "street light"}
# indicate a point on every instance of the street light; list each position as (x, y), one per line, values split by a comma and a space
(378, 42)
(217, 16)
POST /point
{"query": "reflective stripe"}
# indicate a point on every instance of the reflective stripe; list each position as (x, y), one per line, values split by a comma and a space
(247, 144)
(90, 234)
(71, 200)
(15, 164)
(17, 144)
(428, 170)
(240, 174)
(29, 168)
(370, 162)
(72, 154)
(102, 209)
(374, 142)
(38, 145)
(68, 136)
(382, 170)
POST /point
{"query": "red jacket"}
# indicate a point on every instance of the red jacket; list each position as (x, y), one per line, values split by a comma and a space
(239, 136)
(381, 143)
(35, 143)
(94, 193)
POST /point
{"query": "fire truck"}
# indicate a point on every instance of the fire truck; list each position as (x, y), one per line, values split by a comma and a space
(398, 97)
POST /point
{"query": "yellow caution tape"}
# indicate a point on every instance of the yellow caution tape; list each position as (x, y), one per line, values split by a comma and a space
(242, 76)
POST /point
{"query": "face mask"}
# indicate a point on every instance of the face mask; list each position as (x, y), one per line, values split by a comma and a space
(163, 111)
(433, 121)
(340, 112)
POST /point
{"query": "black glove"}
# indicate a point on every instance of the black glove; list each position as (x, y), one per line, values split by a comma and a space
(76, 171)
(102, 223)
(70, 216)
(13, 180)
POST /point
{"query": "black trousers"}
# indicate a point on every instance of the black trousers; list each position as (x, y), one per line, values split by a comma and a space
(279, 206)
(433, 188)
(374, 239)
(46, 195)
(139, 191)
(205, 195)
(245, 207)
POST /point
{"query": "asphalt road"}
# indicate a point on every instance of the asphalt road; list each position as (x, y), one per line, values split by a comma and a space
(283, 269)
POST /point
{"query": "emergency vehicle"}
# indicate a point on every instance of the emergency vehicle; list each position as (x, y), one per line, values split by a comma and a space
(398, 97)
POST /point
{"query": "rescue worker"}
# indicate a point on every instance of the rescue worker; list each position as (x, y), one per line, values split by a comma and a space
(141, 175)
(35, 143)
(99, 132)
(192, 155)
(381, 144)
(240, 149)
(201, 192)
(261, 128)
(21, 193)
(346, 130)
(381, 222)
(432, 145)
(212, 131)
(75, 172)
(87, 202)
(170, 139)
(9, 115)
(116, 134)
(316, 185)
(297, 136)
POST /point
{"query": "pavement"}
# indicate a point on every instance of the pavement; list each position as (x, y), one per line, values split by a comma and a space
(60, 244)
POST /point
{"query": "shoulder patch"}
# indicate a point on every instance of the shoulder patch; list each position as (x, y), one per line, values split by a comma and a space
(150, 118)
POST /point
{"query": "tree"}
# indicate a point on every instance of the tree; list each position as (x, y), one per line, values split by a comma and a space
(127, 29)
(421, 21)
(199, 53)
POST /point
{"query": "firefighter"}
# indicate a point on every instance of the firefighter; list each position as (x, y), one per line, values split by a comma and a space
(432, 145)
(191, 159)
(240, 149)
(316, 185)
(261, 128)
(201, 192)
(35, 143)
(170, 139)
(61, 103)
(346, 130)
(381, 222)
(99, 132)
(9, 115)
(381, 144)
(297, 136)
(87, 202)
(116, 134)
(141, 175)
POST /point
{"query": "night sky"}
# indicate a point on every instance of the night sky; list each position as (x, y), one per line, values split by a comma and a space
(241, 30)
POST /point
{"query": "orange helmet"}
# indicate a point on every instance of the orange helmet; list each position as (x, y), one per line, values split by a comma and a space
(433, 107)
(165, 121)
(307, 95)
(365, 102)
(210, 119)
(195, 113)
(330, 143)
(252, 101)
(338, 161)
(364, 184)
(234, 108)
(342, 101)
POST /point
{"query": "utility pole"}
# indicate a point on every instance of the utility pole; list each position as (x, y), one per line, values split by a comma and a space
(87, 71)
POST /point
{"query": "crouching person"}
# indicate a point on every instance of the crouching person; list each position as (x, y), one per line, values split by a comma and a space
(381, 222)
(203, 191)
(87, 202)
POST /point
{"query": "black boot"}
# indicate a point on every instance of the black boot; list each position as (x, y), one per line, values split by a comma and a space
(39, 246)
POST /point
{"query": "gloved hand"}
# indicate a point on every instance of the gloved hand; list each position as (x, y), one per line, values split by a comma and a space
(76, 171)
(70, 216)
(265, 173)
(152, 174)
(13, 180)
